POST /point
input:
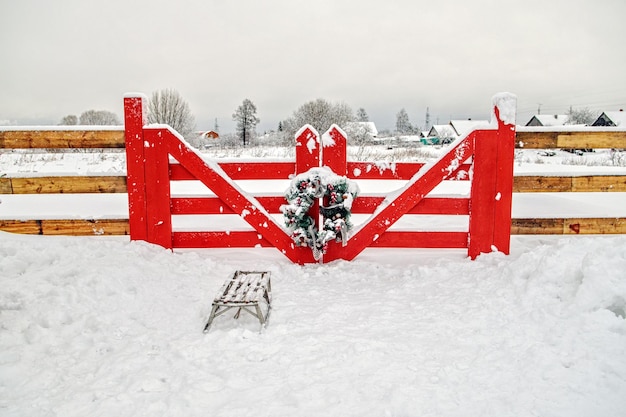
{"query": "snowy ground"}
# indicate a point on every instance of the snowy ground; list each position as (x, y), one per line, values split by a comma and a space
(104, 327)
(101, 326)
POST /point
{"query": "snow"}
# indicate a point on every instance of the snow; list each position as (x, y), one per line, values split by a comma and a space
(136, 95)
(312, 137)
(103, 326)
(327, 139)
(507, 107)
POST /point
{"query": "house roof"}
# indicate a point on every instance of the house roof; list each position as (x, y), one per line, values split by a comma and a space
(445, 131)
(548, 120)
(463, 127)
(208, 134)
(617, 117)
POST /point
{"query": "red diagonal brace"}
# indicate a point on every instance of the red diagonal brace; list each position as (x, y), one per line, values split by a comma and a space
(211, 175)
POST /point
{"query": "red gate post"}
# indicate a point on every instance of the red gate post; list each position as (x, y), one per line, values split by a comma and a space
(505, 108)
(158, 205)
(482, 194)
(492, 182)
(334, 150)
(334, 156)
(307, 157)
(135, 117)
(307, 149)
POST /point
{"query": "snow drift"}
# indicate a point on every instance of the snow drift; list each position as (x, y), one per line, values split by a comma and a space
(106, 327)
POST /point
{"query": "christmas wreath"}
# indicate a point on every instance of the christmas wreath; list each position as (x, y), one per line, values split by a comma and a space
(301, 195)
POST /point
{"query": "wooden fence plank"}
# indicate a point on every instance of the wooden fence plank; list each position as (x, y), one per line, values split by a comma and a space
(602, 183)
(69, 227)
(589, 183)
(61, 139)
(568, 226)
(6, 186)
(540, 184)
(587, 140)
(591, 226)
(535, 140)
(536, 226)
(85, 227)
(599, 138)
(25, 227)
(67, 185)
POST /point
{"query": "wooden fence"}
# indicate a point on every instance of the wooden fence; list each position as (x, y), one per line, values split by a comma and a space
(569, 138)
(526, 138)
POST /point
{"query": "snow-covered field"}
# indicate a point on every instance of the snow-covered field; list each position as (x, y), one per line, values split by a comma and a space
(105, 327)
(101, 326)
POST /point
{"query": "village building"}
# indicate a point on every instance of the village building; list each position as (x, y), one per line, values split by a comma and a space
(611, 118)
(548, 120)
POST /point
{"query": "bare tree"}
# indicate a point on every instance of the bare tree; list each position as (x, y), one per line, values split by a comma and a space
(361, 115)
(168, 107)
(97, 117)
(583, 116)
(320, 114)
(69, 120)
(246, 119)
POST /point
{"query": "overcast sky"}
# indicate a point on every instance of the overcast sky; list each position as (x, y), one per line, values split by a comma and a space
(67, 56)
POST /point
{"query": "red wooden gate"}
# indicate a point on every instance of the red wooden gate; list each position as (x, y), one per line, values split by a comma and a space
(156, 155)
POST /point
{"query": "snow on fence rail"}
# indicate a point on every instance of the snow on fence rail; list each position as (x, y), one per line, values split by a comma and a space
(375, 235)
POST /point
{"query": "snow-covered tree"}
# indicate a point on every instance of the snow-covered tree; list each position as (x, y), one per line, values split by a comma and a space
(403, 125)
(98, 117)
(583, 116)
(246, 119)
(320, 114)
(168, 107)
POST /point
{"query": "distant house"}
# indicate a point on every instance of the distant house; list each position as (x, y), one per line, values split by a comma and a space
(444, 133)
(463, 127)
(548, 120)
(211, 134)
(611, 118)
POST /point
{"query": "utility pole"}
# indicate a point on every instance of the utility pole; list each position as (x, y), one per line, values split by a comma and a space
(427, 121)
